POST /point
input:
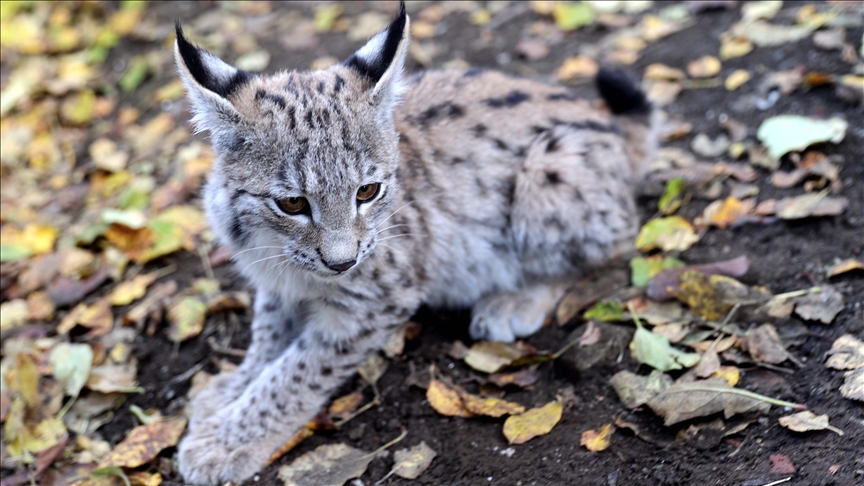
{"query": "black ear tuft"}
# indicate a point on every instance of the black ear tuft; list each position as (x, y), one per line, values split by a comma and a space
(373, 60)
(208, 70)
(621, 94)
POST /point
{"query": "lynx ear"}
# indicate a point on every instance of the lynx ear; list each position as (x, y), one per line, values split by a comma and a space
(209, 82)
(382, 58)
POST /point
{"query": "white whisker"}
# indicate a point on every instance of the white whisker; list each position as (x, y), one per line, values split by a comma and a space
(391, 227)
(256, 248)
(397, 236)
(394, 212)
(263, 259)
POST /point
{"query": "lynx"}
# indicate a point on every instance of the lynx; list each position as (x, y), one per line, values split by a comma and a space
(354, 194)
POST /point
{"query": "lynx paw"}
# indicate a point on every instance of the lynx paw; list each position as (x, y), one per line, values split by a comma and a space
(207, 455)
(511, 315)
(222, 390)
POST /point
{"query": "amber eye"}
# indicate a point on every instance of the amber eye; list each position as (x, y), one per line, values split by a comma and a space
(292, 205)
(367, 192)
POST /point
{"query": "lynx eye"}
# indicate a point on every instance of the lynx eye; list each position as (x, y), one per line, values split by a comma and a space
(367, 192)
(292, 205)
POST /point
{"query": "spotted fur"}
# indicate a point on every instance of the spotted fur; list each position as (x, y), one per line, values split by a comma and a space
(494, 192)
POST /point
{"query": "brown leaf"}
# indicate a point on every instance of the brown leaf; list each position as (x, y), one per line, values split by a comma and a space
(343, 407)
(713, 296)
(727, 212)
(597, 440)
(853, 387)
(145, 442)
(684, 401)
(634, 390)
(229, 302)
(66, 291)
(781, 464)
(847, 353)
(331, 464)
(521, 378)
(410, 463)
(295, 440)
(490, 357)
(820, 306)
(533, 49)
(764, 345)
(847, 265)
(158, 293)
(806, 421)
(490, 406)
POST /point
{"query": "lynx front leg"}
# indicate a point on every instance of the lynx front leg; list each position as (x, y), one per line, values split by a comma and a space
(510, 315)
(237, 440)
(274, 325)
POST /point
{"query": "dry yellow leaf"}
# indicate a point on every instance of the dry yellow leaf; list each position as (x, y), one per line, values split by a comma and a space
(736, 79)
(132, 290)
(490, 357)
(597, 440)
(24, 379)
(577, 68)
(731, 374)
(143, 478)
(343, 407)
(301, 435)
(144, 442)
(806, 421)
(704, 67)
(491, 406)
(519, 429)
(844, 266)
(723, 214)
(445, 400)
(662, 72)
(667, 234)
(186, 318)
(732, 46)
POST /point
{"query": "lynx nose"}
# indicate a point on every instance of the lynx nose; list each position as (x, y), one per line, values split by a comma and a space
(340, 267)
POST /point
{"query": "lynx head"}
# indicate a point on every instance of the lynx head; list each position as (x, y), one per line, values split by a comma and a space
(306, 161)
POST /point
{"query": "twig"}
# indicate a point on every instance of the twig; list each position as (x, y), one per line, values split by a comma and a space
(385, 446)
(779, 481)
(205, 262)
(188, 373)
(239, 353)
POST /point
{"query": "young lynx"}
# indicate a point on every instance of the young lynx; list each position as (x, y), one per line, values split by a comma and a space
(347, 209)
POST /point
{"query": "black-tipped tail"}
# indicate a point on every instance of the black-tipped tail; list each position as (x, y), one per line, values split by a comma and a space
(621, 94)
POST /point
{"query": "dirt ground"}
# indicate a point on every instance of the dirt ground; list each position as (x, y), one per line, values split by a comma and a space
(785, 256)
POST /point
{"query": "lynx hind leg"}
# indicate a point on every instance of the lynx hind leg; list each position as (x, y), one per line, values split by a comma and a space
(511, 315)
(273, 329)
(574, 204)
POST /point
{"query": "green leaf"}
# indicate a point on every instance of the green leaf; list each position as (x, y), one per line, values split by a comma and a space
(672, 233)
(643, 269)
(791, 133)
(572, 15)
(606, 311)
(111, 471)
(186, 318)
(670, 201)
(135, 74)
(14, 253)
(72, 364)
(655, 351)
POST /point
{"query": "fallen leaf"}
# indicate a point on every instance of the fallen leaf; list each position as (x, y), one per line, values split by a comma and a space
(663, 93)
(331, 464)
(713, 296)
(655, 351)
(519, 429)
(521, 378)
(597, 440)
(13, 313)
(636, 390)
(672, 196)
(672, 233)
(606, 311)
(344, 406)
(66, 291)
(144, 478)
(295, 440)
(764, 345)
(653, 27)
(491, 357)
(143, 443)
(727, 212)
(373, 368)
(804, 206)
(704, 67)
(806, 421)
(576, 69)
(853, 386)
(730, 374)
(764, 34)
(664, 285)
(533, 49)
(844, 266)
(820, 306)
(445, 400)
(113, 378)
(756, 10)
(847, 353)
(792, 133)
(410, 463)
(490, 406)
(229, 302)
(186, 318)
(572, 15)
(684, 401)
(662, 72)
(71, 364)
(737, 79)
(781, 464)
(132, 290)
(732, 46)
